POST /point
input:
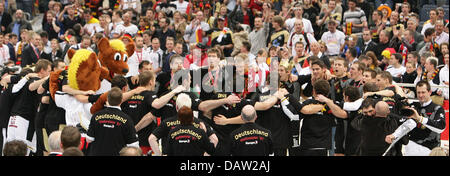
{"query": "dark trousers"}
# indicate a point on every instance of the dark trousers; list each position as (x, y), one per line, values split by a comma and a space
(308, 152)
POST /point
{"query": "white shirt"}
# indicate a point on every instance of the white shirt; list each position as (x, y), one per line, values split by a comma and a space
(425, 27)
(294, 38)
(134, 61)
(396, 72)
(307, 26)
(444, 77)
(181, 7)
(441, 38)
(333, 41)
(118, 29)
(132, 4)
(155, 57)
(93, 28)
(76, 112)
(4, 54)
(131, 29)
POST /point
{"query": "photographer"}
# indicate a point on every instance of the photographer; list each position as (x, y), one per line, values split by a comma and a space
(430, 123)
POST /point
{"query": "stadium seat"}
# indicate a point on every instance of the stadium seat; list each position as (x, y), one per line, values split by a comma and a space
(441, 2)
(424, 16)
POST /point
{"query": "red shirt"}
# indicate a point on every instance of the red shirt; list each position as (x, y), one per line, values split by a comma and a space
(253, 5)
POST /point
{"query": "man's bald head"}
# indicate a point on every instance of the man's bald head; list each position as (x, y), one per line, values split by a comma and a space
(381, 109)
(248, 113)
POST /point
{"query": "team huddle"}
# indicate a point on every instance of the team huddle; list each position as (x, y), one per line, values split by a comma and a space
(224, 78)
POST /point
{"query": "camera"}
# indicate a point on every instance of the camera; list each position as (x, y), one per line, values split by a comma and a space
(9, 70)
(404, 107)
(398, 27)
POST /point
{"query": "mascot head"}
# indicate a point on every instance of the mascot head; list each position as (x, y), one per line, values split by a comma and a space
(113, 54)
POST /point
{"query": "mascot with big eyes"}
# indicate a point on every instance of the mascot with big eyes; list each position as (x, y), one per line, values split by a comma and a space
(88, 72)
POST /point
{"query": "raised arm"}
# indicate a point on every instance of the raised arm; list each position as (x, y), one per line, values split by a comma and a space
(213, 104)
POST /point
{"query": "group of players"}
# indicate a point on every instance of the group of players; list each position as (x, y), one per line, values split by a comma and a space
(227, 112)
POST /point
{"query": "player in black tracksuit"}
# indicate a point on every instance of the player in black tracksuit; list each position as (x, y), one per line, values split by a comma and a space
(7, 99)
(318, 118)
(186, 139)
(111, 129)
(277, 122)
(250, 139)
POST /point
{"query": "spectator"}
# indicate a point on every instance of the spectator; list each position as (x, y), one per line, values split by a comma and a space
(18, 24)
(242, 16)
(30, 52)
(443, 76)
(155, 56)
(440, 13)
(69, 20)
(128, 27)
(441, 36)
(431, 22)
(5, 18)
(181, 6)
(298, 35)
(404, 14)
(259, 34)
(15, 148)
(331, 12)
(312, 10)
(377, 25)
(395, 67)
(408, 77)
(170, 45)
(223, 37)
(414, 58)
(404, 43)
(384, 43)
(179, 23)
(431, 73)
(54, 143)
(354, 19)
(373, 63)
(334, 39)
(368, 43)
(11, 43)
(138, 56)
(412, 25)
(45, 42)
(315, 51)
(51, 25)
(166, 7)
(72, 151)
(70, 137)
(279, 36)
(4, 50)
(298, 12)
(429, 43)
(164, 32)
(195, 31)
(350, 56)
